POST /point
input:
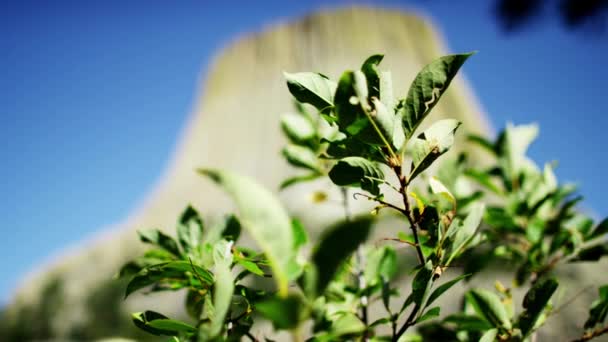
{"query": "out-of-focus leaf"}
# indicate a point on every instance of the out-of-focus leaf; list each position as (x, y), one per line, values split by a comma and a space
(438, 188)
(175, 327)
(160, 239)
(468, 322)
(489, 306)
(347, 324)
(265, 219)
(429, 314)
(489, 336)
(222, 291)
(370, 69)
(462, 234)
(141, 319)
(335, 246)
(535, 301)
(482, 142)
(190, 230)
(232, 228)
(483, 179)
(299, 179)
(300, 236)
(284, 313)
(298, 129)
(381, 264)
(599, 309)
(302, 157)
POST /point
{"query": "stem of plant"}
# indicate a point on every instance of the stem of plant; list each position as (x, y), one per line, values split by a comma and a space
(408, 212)
(592, 334)
(408, 323)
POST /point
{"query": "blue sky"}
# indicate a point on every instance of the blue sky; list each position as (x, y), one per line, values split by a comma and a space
(94, 95)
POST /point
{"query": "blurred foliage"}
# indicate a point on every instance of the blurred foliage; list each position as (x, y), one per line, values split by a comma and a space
(515, 14)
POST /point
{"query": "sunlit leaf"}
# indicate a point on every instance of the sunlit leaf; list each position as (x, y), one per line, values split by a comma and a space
(312, 88)
(431, 144)
(265, 219)
(426, 89)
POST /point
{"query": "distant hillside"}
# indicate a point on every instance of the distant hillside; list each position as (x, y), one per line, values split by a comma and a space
(235, 126)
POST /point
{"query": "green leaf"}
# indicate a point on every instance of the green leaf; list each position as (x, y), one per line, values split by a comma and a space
(386, 92)
(194, 304)
(438, 188)
(489, 306)
(381, 264)
(350, 99)
(170, 325)
(335, 246)
(421, 285)
(467, 322)
(303, 157)
(174, 272)
(600, 230)
(347, 324)
(535, 301)
(357, 172)
(298, 129)
(299, 179)
(141, 319)
(431, 144)
(264, 217)
(444, 287)
(300, 236)
(429, 314)
(370, 70)
(513, 147)
(150, 258)
(284, 313)
(232, 228)
(389, 125)
(484, 179)
(160, 239)
(462, 234)
(250, 266)
(312, 88)
(190, 230)
(426, 89)
(222, 293)
(482, 142)
(599, 309)
(489, 336)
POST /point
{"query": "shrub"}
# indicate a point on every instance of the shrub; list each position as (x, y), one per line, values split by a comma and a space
(510, 213)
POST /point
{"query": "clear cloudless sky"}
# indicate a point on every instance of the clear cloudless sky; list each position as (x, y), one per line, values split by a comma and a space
(93, 97)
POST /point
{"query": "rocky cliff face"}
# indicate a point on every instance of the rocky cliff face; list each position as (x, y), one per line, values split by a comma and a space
(235, 126)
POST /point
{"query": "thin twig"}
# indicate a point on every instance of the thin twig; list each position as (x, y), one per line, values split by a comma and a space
(384, 203)
(408, 212)
(408, 323)
(592, 334)
(251, 337)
